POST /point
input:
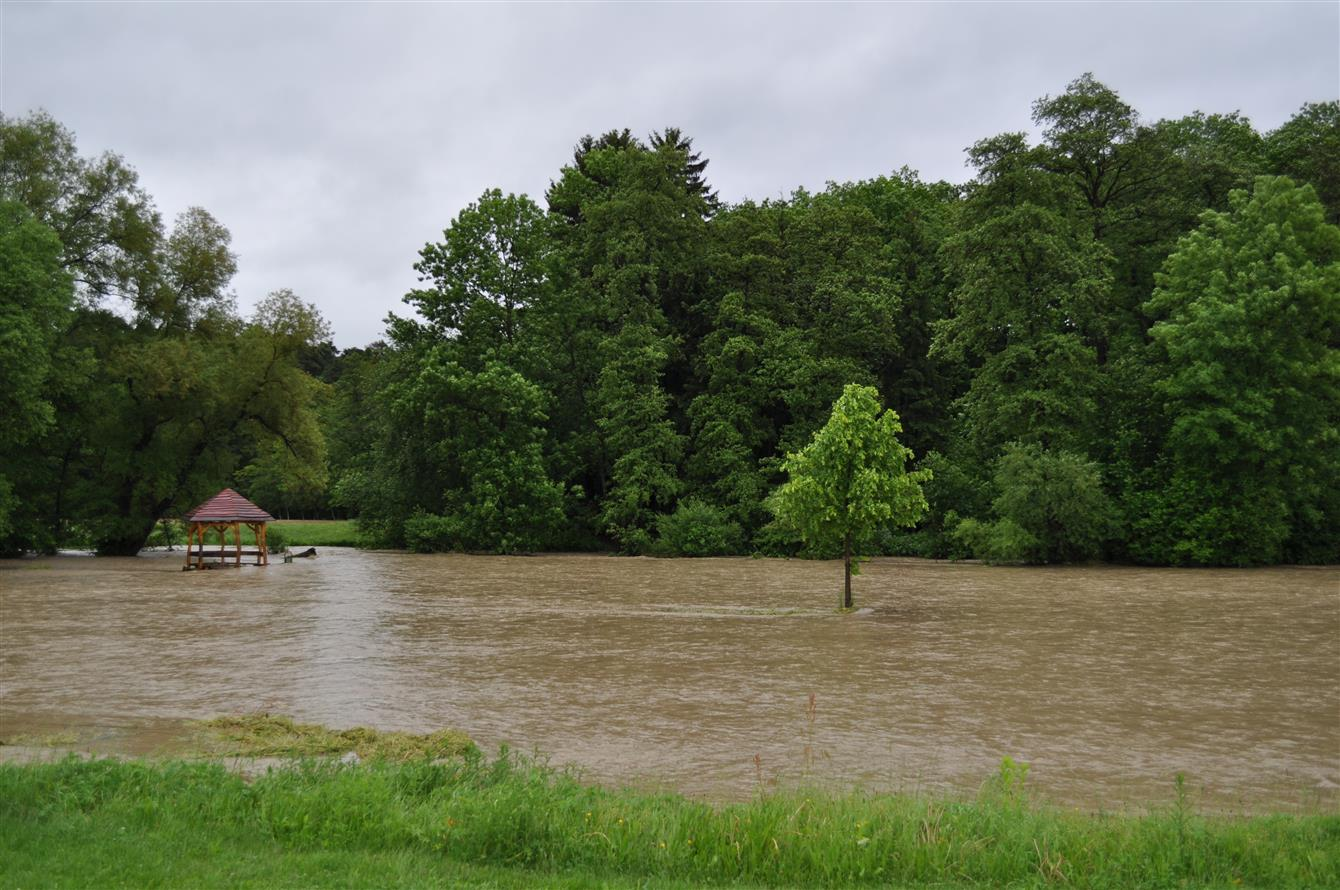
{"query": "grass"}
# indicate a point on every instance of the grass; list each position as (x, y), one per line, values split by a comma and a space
(267, 735)
(291, 532)
(505, 822)
(318, 532)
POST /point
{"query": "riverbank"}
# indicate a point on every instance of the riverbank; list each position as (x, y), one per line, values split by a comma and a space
(509, 822)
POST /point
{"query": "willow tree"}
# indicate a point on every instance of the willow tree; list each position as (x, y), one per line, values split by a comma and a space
(851, 480)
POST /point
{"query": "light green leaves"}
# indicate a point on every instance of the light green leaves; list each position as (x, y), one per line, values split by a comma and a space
(851, 479)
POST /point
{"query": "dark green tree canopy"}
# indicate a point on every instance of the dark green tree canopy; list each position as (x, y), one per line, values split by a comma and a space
(1114, 341)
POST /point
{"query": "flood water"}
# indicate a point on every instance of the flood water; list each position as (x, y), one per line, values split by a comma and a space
(697, 674)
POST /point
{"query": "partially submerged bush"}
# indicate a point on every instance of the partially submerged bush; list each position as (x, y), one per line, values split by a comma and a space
(275, 539)
(430, 533)
(1050, 507)
(697, 528)
(1001, 542)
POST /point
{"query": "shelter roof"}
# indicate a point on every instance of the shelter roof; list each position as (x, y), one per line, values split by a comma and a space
(228, 506)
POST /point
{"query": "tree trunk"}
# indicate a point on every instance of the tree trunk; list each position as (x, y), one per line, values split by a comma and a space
(127, 539)
(846, 568)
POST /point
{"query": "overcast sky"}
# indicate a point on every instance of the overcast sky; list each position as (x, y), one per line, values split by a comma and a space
(335, 139)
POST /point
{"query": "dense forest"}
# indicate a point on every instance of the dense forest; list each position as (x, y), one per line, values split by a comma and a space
(1121, 342)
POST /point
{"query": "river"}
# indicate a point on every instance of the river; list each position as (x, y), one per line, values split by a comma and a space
(697, 675)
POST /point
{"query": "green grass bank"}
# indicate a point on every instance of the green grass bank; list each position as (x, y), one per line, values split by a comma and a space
(503, 822)
(318, 532)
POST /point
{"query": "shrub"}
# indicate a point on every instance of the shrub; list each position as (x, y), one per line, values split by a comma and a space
(431, 533)
(1000, 542)
(1050, 507)
(275, 539)
(1055, 497)
(167, 533)
(697, 528)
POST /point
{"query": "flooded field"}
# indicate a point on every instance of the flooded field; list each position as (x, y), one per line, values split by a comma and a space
(697, 674)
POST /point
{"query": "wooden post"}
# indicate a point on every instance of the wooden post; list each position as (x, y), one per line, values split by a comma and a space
(264, 548)
(237, 540)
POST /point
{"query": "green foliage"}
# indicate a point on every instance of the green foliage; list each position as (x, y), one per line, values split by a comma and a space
(66, 824)
(486, 273)
(1002, 542)
(168, 533)
(954, 489)
(606, 368)
(634, 426)
(851, 480)
(36, 293)
(156, 401)
(1248, 379)
(469, 472)
(1051, 507)
(1307, 148)
(1026, 312)
(109, 230)
(430, 533)
(697, 528)
(1055, 497)
(276, 539)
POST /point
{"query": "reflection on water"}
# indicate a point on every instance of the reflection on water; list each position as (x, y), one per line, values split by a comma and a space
(1107, 680)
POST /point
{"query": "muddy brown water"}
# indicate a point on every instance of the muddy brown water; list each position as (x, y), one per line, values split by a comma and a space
(697, 674)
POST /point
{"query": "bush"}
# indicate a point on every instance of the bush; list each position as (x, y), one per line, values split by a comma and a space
(1050, 507)
(1000, 542)
(275, 539)
(1054, 497)
(697, 528)
(431, 533)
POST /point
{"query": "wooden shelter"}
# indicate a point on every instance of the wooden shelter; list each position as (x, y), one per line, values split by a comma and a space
(226, 511)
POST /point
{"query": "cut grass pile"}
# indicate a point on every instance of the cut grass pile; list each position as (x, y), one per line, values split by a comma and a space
(510, 822)
(268, 735)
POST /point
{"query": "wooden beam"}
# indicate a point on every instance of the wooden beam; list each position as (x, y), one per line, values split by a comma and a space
(227, 552)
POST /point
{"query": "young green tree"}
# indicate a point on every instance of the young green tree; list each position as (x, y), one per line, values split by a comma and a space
(851, 480)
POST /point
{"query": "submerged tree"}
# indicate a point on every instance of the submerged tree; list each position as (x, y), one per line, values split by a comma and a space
(851, 480)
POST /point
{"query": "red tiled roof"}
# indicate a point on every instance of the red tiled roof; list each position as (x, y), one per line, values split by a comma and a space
(228, 506)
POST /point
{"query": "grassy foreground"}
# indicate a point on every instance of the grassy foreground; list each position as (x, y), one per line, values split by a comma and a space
(506, 822)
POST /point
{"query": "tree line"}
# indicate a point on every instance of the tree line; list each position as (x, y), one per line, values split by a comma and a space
(1117, 342)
